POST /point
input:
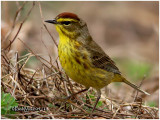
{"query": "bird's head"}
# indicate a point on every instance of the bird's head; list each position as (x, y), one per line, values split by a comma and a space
(69, 24)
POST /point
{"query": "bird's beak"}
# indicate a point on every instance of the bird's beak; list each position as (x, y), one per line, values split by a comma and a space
(52, 21)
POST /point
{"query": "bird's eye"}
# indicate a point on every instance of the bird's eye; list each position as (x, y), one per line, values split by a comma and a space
(66, 22)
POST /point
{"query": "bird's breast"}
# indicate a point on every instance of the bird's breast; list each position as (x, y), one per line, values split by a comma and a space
(74, 60)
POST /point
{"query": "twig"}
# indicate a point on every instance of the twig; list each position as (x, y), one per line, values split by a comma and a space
(115, 113)
(20, 26)
(40, 9)
(139, 87)
(30, 81)
(38, 57)
(14, 21)
(15, 75)
(44, 77)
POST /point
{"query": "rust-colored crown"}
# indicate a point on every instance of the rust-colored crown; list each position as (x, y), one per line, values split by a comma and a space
(68, 15)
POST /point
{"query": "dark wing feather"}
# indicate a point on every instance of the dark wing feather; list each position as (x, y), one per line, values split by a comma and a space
(100, 59)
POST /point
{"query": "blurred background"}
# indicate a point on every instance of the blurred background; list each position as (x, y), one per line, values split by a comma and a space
(127, 31)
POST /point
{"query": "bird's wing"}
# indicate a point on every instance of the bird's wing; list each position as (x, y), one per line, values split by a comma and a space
(100, 59)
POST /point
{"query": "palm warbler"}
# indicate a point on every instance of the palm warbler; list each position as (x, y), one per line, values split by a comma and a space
(82, 58)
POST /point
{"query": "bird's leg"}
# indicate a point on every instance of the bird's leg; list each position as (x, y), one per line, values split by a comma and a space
(77, 93)
(98, 97)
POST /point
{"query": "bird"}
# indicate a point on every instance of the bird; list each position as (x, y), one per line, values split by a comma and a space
(82, 59)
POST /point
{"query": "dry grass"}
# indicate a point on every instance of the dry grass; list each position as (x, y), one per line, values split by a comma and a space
(46, 87)
(35, 88)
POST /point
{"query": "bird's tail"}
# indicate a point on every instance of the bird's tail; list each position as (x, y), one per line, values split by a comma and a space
(134, 86)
